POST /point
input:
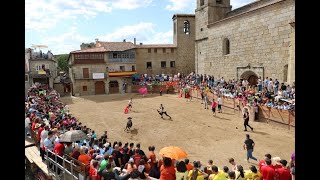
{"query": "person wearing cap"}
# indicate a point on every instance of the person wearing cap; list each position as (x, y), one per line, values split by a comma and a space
(277, 164)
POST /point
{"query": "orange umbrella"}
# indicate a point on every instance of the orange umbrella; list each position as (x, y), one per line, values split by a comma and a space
(173, 152)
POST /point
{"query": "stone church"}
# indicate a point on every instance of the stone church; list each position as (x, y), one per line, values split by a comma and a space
(255, 40)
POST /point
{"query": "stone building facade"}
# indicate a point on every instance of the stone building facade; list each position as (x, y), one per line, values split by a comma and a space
(173, 58)
(251, 41)
(39, 67)
(102, 69)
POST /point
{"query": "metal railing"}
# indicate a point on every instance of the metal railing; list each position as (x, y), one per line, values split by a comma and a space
(57, 165)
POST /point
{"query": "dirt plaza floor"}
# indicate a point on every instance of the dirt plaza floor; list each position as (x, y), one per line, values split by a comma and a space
(192, 127)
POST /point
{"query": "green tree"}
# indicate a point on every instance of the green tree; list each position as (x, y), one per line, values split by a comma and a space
(63, 62)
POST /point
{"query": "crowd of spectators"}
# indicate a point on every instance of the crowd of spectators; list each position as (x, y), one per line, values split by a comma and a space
(47, 118)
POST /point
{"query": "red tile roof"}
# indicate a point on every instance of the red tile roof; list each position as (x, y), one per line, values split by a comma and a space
(156, 46)
(98, 49)
(116, 46)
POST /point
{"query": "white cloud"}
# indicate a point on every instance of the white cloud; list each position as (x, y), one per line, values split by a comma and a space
(65, 43)
(41, 15)
(190, 5)
(130, 4)
(180, 5)
(160, 38)
(140, 31)
(144, 32)
(238, 3)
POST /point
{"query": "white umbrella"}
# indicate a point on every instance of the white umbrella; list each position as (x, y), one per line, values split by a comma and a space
(73, 135)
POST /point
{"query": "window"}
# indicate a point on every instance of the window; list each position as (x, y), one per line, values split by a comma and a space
(163, 64)
(174, 28)
(114, 55)
(172, 64)
(226, 46)
(38, 67)
(164, 50)
(219, 1)
(122, 68)
(133, 68)
(201, 2)
(26, 78)
(84, 88)
(172, 50)
(85, 72)
(149, 65)
(186, 27)
(201, 29)
(155, 50)
(149, 50)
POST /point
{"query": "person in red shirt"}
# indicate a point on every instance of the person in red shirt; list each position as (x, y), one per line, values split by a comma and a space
(277, 163)
(188, 165)
(283, 173)
(151, 156)
(167, 171)
(263, 161)
(268, 172)
(39, 132)
(137, 157)
(58, 150)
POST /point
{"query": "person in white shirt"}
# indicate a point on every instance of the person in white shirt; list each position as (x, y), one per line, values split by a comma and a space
(279, 96)
(270, 85)
(43, 136)
(259, 84)
(265, 82)
(219, 104)
(27, 125)
(130, 104)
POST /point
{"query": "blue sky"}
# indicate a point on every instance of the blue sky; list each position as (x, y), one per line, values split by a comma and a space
(63, 25)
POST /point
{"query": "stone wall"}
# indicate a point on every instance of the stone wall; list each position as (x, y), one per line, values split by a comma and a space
(77, 69)
(259, 38)
(142, 57)
(185, 62)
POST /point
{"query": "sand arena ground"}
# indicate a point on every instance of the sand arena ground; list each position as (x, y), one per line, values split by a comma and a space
(192, 127)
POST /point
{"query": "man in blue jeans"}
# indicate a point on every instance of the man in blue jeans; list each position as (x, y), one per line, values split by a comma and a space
(248, 145)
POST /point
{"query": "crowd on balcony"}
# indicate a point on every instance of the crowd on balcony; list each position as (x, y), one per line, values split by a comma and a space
(47, 118)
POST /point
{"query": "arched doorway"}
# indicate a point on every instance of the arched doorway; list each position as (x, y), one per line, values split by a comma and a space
(99, 87)
(113, 87)
(251, 77)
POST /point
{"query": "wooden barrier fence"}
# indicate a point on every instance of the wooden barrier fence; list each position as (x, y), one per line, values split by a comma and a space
(265, 113)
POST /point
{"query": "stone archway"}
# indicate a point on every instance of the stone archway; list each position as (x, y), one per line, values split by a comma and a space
(251, 76)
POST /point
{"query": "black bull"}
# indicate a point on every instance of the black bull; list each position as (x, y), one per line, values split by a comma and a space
(129, 125)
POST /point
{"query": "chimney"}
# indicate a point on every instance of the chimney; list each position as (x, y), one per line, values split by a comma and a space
(134, 41)
(124, 40)
(140, 43)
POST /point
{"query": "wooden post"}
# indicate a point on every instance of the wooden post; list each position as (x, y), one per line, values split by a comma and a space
(269, 108)
(234, 105)
(289, 119)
